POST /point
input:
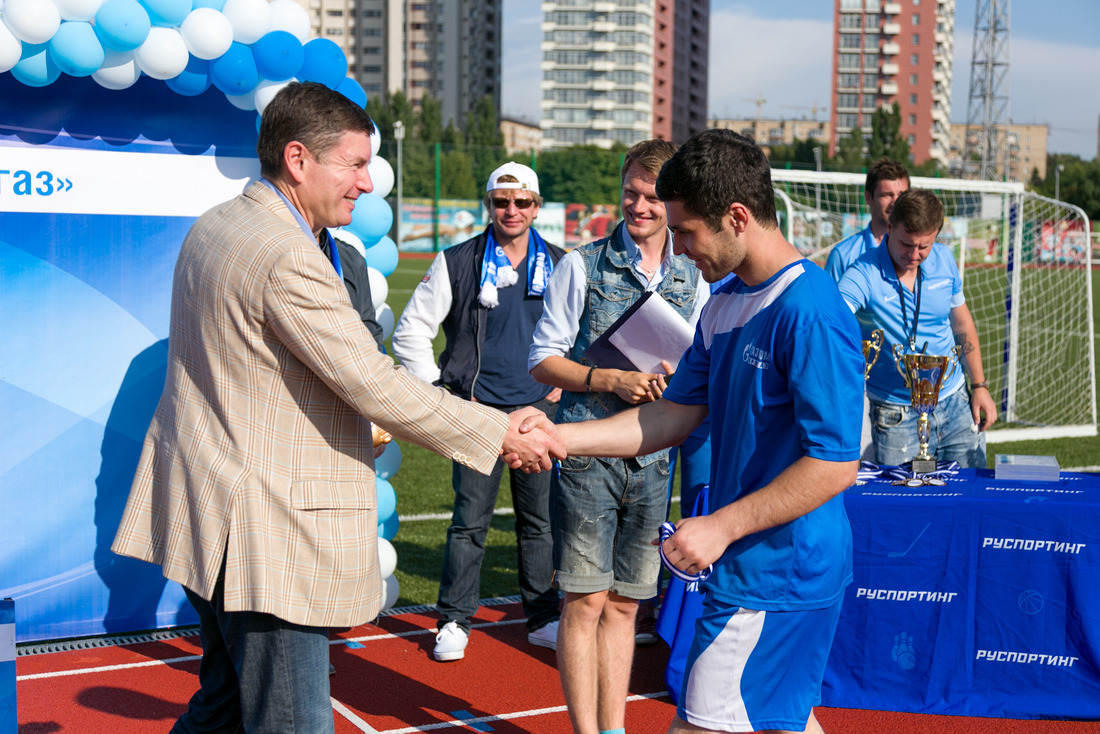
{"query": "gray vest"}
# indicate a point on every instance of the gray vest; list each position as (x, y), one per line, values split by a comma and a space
(611, 287)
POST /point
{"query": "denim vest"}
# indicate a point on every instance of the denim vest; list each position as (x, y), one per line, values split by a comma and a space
(611, 288)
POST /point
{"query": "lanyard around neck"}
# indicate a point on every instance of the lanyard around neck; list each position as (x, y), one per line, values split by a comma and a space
(916, 311)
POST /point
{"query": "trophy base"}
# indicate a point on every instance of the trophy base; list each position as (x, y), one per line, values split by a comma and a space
(923, 466)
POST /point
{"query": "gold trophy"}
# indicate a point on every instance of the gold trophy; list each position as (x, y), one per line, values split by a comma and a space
(871, 348)
(923, 375)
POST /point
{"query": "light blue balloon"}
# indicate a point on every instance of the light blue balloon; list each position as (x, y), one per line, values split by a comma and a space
(382, 256)
(371, 219)
(388, 529)
(36, 68)
(235, 71)
(215, 4)
(324, 63)
(353, 91)
(75, 48)
(166, 13)
(389, 462)
(387, 499)
(279, 56)
(122, 25)
(194, 80)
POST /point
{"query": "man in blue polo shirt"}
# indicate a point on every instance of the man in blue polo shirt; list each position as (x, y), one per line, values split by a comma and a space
(886, 180)
(911, 289)
(777, 365)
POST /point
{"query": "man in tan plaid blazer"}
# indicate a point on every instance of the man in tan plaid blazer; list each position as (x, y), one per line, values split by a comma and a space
(255, 489)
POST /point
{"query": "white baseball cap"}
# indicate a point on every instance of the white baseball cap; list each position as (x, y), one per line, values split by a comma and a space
(525, 177)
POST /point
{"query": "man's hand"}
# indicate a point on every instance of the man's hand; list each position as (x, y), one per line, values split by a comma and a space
(554, 396)
(697, 543)
(639, 387)
(983, 408)
(532, 449)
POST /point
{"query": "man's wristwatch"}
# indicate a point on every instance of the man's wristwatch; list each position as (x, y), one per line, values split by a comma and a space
(976, 385)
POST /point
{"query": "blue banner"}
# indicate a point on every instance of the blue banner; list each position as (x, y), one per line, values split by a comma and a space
(97, 190)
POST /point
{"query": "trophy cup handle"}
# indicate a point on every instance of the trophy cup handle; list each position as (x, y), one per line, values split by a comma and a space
(899, 361)
(953, 361)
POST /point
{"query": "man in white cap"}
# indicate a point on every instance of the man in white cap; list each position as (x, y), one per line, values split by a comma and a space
(487, 295)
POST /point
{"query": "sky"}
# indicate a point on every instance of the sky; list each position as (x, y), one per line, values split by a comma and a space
(781, 50)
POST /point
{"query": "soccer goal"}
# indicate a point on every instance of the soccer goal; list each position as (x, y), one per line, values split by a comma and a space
(1027, 275)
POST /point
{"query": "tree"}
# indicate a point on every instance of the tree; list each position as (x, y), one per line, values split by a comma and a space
(886, 140)
(484, 140)
(584, 173)
(1078, 184)
(849, 151)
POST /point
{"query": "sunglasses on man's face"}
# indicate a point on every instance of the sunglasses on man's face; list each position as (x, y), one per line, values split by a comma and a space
(503, 203)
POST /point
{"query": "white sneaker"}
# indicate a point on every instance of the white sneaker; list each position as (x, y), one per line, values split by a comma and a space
(545, 636)
(450, 643)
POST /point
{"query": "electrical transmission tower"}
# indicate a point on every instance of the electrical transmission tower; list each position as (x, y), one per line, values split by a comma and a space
(987, 111)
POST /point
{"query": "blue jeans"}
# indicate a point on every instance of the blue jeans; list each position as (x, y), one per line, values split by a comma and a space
(953, 435)
(607, 512)
(258, 673)
(475, 498)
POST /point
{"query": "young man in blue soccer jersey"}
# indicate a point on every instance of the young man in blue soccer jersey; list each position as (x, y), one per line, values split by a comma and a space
(910, 287)
(777, 364)
(886, 180)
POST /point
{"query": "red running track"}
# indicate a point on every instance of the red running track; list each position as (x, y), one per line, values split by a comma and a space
(387, 682)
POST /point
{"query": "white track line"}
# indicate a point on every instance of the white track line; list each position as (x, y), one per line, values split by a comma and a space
(352, 717)
(189, 658)
(504, 717)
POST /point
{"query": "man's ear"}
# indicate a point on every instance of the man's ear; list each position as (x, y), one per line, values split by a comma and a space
(738, 215)
(295, 158)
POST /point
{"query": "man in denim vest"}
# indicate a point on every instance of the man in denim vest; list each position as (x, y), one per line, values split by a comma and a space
(606, 512)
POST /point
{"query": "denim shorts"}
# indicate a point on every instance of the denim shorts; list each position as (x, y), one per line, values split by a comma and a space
(605, 514)
(953, 435)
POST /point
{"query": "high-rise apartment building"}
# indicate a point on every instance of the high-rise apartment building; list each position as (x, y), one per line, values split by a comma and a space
(447, 48)
(621, 71)
(900, 54)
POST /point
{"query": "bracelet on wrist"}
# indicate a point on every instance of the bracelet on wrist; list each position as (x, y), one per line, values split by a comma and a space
(976, 385)
(588, 379)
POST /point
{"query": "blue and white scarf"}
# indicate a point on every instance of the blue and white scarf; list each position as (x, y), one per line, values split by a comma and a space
(497, 271)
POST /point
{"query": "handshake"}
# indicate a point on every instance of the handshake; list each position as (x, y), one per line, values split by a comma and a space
(532, 441)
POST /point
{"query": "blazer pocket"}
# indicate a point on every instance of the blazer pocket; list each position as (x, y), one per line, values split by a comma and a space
(322, 495)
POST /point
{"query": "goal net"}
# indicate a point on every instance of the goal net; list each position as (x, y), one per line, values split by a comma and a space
(1026, 263)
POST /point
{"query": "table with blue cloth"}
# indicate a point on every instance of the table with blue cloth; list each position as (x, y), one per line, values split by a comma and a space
(977, 598)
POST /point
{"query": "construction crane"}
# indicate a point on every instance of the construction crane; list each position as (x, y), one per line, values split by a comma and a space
(759, 102)
(814, 108)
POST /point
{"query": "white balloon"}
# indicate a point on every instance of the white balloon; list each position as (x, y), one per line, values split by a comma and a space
(391, 589)
(78, 9)
(375, 141)
(381, 175)
(10, 48)
(32, 21)
(206, 33)
(250, 19)
(289, 16)
(245, 101)
(387, 558)
(163, 55)
(119, 70)
(265, 91)
(379, 288)
(349, 238)
(385, 318)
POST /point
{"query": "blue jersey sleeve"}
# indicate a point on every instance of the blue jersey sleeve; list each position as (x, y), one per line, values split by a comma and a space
(826, 378)
(855, 287)
(690, 383)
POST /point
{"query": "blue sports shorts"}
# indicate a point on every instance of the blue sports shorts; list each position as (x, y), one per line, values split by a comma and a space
(750, 670)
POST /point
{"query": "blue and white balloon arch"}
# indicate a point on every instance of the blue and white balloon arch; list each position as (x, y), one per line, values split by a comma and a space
(245, 49)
